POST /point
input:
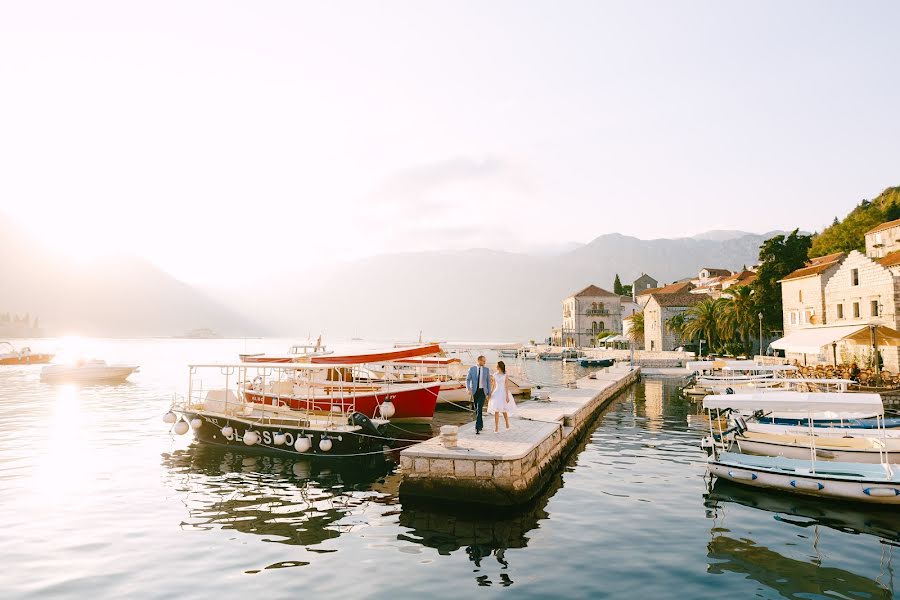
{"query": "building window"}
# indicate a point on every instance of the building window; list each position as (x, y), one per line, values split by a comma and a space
(602, 326)
(874, 308)
(652, 345)
(840, 311)
(856, 310)
(800, 295)
(793, 317)
(854, 277)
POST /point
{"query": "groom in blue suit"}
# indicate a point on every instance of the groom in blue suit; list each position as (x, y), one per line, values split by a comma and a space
(478, 382)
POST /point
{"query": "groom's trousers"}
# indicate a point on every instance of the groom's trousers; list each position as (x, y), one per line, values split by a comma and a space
(478, 401)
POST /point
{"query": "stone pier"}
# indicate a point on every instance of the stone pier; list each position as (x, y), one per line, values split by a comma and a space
(510, 467)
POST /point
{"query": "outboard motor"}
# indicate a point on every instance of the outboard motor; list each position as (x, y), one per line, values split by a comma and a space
(368, 427)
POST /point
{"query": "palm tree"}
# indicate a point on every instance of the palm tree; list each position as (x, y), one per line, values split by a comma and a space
(739, 315)
(636, 333)
(703, 320)
(675, 325)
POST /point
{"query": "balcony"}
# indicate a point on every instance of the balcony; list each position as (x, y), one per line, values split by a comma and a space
(597, 312)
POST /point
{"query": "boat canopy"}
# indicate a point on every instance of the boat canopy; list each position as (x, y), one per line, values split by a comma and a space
(368, 356)
(798, 402)
(813, 339)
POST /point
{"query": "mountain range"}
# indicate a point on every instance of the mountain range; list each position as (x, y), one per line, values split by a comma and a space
(108, 297)
(477, 294)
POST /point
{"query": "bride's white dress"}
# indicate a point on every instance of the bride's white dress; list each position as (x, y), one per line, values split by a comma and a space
(501, 398)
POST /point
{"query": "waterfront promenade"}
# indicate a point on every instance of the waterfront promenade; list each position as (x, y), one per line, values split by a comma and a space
(510, 467)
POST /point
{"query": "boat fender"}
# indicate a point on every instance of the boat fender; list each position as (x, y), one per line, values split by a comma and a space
(881, 492)
(801, 484)
(364, 422)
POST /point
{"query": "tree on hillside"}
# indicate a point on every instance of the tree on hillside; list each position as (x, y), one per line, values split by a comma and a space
(849, 234)
(617, 286)
(778, 256)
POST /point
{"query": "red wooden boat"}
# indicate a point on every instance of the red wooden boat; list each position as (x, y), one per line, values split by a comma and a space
(411, 402)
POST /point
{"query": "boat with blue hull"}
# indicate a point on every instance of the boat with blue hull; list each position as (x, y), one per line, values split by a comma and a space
(856, 481)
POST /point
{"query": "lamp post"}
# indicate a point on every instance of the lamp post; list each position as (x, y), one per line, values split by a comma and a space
(760, 315)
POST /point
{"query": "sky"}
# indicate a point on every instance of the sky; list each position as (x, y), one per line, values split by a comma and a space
(213, 137)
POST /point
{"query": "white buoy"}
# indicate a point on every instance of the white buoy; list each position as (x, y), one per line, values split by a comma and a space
(251, 437)
(170, 417)
(325, 445)
(228, 431)
(181, 427)
(336, 408)
(387, 409)
(279, 439)
(196, 423)
(303, 444)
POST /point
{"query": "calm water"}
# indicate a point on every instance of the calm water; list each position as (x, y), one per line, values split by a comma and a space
(98, 499)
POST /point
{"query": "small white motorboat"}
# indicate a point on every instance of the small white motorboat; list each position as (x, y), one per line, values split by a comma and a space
(875, 483)
(87, 371)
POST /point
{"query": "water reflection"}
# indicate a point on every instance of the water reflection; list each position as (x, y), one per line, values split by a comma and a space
(290, 501)
(792, 577)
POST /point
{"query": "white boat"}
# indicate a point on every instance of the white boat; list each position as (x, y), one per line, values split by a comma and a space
(873, 483)
(838, 448)
(87, 371)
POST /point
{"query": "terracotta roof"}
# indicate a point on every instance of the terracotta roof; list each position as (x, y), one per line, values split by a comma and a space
(815, 266)
(883, 226)
(683, 299)
(891, 260)
(592, 290)
(673, 288)
(828, 258)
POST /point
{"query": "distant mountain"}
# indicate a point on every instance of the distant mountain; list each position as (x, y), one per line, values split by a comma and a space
(720, 235)
(482, 294)
(119, 297)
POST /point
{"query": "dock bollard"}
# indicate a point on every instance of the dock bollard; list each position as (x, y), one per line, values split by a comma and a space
(449, 435)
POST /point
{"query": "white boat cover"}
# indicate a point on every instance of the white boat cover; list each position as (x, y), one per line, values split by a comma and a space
(812, 340)
(798, 402)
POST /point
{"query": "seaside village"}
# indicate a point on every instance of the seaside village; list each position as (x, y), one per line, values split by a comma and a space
(811, 391)
(838, 309)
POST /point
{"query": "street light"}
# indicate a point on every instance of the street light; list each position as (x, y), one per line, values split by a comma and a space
(760, 333)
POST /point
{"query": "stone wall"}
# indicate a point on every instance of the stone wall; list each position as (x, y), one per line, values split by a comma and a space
(508, 480)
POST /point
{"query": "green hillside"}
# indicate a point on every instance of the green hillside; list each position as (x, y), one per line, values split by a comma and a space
(849, 234)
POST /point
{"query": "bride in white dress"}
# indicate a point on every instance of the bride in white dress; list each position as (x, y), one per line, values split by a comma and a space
(501, 400)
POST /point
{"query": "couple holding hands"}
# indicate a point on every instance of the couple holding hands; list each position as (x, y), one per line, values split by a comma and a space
(484, 385)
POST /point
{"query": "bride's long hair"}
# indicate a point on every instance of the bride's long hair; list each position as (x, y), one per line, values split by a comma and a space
(501, 366)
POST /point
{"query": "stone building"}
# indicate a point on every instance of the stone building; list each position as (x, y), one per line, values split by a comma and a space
(830, 303)
(642, 284)
(679, 287)
(586, 315)
(803, 293)
(660, 308)
(865, 291)
(884, 239)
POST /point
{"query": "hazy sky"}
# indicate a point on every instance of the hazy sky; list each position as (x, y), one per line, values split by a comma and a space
(205, 135)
